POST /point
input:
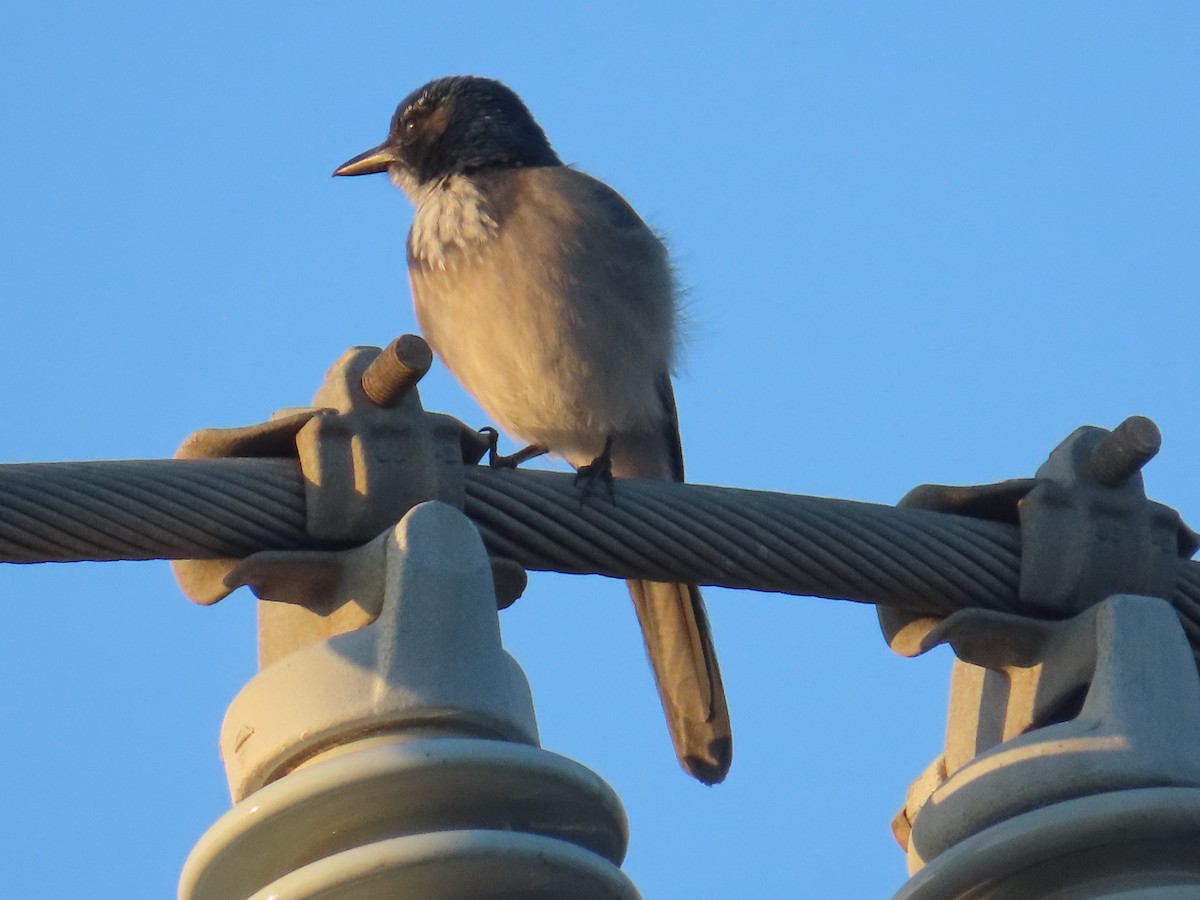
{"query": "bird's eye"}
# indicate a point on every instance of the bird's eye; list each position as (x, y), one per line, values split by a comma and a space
(412, 118)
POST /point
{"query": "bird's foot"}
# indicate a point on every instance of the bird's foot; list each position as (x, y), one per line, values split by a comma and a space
(498, 460)
(597, 475)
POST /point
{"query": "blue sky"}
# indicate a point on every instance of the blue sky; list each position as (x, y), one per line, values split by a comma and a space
(922, 242)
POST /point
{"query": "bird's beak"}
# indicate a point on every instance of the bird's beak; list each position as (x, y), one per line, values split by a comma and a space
(377, 159)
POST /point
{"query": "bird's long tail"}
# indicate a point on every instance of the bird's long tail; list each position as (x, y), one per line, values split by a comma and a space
(675, 627)
(674, 622)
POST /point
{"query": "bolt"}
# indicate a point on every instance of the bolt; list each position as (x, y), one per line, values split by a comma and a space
(395, 371)
(1123, 451)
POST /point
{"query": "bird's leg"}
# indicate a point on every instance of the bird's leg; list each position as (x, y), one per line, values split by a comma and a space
(525, 454)
(498, 461)
(597, 474)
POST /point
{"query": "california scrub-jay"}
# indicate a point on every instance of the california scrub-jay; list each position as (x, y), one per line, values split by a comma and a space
(554, 304)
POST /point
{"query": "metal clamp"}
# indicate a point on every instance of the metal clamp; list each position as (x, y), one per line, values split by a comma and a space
(369, 453)
(1087, 529)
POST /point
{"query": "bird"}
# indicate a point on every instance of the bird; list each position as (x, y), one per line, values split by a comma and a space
(554, 304)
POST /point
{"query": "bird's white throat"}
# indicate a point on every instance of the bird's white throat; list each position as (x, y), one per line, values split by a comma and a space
(452, 222)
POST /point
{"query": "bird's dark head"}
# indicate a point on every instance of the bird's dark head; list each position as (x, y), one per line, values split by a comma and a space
(453, 125)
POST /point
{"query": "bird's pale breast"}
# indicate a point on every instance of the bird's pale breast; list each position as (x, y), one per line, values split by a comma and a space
(549, 299)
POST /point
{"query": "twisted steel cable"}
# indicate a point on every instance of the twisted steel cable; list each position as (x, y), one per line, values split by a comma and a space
(150, 509)
(207, 508)
(840, 549)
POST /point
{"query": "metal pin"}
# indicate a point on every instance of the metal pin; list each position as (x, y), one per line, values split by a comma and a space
(1122, 452)
(395, 371)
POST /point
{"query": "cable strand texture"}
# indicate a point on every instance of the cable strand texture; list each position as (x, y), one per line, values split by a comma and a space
(911, 559)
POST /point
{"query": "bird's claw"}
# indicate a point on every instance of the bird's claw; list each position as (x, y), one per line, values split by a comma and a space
(498, 460)
(597, 475)
(495, 460)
